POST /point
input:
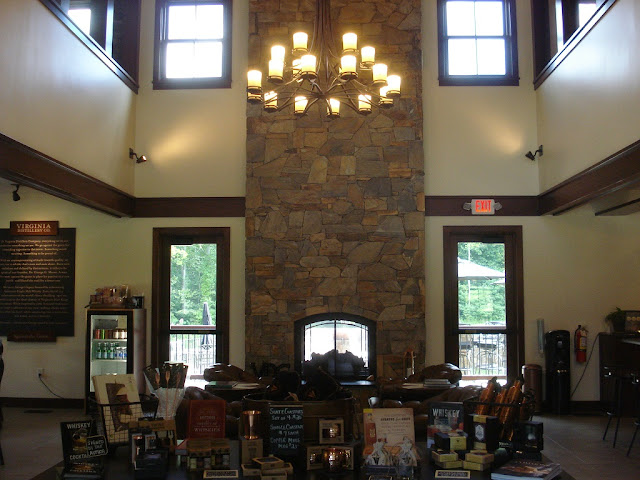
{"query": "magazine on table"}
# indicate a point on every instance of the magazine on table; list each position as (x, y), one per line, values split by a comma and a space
(519, 468)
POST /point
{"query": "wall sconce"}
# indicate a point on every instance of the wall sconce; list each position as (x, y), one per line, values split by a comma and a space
(15, 195)
(532, 155)
(139, 158)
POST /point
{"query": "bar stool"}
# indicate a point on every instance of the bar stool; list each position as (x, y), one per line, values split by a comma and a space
(635, 380)
(618, 377)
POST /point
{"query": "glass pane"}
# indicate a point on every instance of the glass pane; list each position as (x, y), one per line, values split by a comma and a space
(196, 350)
(460, 18)
(193, 284)
(483, 354)
(341, 337)
(462, 57)
(491, 57)
(82, 18)
(208, 59)
(209, 22)
(179, 62)
(489, 19)
(585, 12)
(481, 284)
(181, 22)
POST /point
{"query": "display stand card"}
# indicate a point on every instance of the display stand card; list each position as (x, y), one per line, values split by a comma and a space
(119, 403)
(389, 437)
(286, 429)
(206, 419)
(444, 417)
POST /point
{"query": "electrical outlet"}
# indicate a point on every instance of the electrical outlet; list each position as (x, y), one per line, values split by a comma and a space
(40, 372)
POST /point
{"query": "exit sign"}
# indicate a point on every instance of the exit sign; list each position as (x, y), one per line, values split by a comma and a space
(483, 206)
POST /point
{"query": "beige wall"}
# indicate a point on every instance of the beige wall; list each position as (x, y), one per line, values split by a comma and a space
(60, 99)
(109, 251)
(588, 108)
(195, 139)
(577, 268)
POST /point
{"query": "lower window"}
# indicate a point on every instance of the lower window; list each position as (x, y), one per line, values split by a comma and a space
(483, 301)
(191, 297)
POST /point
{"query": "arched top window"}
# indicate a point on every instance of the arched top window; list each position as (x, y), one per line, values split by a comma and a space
(342, 344)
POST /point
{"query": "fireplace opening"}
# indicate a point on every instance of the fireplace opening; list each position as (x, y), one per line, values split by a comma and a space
(343, 344)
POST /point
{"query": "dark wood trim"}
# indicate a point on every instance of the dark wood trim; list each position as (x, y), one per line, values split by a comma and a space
(611, 174)
(163, 238)
(632, 206)
(511, 236)
(94, 46)
(568, 47)
(452, 205)
(26, 166)
(22, 402)
(190, 207)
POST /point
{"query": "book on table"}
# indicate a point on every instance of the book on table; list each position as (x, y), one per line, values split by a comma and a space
(519, 468)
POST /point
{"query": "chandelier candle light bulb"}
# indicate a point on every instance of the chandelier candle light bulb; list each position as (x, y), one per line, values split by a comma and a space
(271, 101)
(300, 40)
(348, 63)
(308, 66)
(254, 81)
(384, 100)
(394, 86)
(333, 108)
(364, 103)
(276, 70)
(300, 105)
(349, 42)
(367, 57)
(277, 53)
(380, 74)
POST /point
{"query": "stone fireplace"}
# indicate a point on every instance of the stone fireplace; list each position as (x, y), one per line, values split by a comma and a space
(335, 208)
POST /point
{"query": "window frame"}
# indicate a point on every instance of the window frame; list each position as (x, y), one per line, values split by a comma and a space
(511, 236)
(163, 239)
(510, 78)
(160, 81)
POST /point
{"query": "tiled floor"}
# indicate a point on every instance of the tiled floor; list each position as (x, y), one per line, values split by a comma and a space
(31, 444)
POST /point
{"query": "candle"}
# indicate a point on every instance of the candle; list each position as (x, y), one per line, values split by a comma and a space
(300, 42)
(364, 103)
(276, 69)
(384, 100)
(379, 74)
(394, 86)
(271, 101)
(348, 64)
(277, 53)
(333, 108)
(367, 55)
(349, 42)
(308, 66)
(254, 81)
(300, 105)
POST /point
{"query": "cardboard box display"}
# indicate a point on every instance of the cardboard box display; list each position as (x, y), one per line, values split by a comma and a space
(444, 456)
(268, 463)
(479, 456)
(250, 470)
(250, 449)
(479, 467)
(450, 440)
(449, 465)
(483, 431)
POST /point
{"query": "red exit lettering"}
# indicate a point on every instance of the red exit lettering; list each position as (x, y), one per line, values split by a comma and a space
(483, 207)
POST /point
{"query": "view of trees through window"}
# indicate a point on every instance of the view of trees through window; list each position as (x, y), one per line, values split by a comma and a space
(481, 284)
(193, 283)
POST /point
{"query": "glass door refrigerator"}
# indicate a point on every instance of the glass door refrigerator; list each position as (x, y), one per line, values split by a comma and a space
(116, 341)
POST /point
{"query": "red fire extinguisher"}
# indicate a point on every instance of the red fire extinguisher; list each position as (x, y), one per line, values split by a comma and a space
(580, 342)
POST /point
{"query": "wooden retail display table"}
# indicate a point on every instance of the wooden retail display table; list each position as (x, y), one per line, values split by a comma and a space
(117, 467)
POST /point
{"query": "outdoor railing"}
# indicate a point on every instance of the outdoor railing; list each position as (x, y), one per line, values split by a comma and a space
(196, 350)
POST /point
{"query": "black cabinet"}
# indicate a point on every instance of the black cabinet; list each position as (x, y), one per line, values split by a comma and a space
(622, 358)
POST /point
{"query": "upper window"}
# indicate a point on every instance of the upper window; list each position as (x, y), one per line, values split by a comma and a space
(477, 42)
(193, 44)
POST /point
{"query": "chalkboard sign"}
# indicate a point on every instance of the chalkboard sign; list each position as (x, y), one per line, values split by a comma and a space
(286, 430)
(97, 446)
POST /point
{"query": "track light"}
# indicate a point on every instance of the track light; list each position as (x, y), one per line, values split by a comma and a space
(15, 195)
(532, 155)
(139, 158)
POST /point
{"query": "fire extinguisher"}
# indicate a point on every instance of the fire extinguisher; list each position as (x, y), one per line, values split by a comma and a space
(580, 342)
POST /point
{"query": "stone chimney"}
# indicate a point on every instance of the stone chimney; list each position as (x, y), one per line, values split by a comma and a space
(335, 208)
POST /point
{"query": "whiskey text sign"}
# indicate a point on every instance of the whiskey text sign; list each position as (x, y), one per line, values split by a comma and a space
(37, 279)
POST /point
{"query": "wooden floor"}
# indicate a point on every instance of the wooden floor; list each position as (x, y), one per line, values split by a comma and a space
(30, 440)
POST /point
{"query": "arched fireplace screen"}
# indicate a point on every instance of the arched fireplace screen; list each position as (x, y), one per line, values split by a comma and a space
(341, 343)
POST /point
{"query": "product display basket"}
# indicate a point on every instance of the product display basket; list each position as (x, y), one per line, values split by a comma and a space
(112, 420)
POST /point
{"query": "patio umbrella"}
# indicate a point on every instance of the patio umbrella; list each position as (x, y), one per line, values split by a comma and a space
(468, 270)
(207, 341)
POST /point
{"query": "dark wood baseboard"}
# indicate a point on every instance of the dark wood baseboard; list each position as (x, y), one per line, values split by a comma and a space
(42, 402)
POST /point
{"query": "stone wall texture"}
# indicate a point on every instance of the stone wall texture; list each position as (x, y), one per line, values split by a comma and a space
(335, 207)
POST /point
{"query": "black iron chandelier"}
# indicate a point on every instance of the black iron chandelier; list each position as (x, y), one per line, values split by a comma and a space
(318, 73)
